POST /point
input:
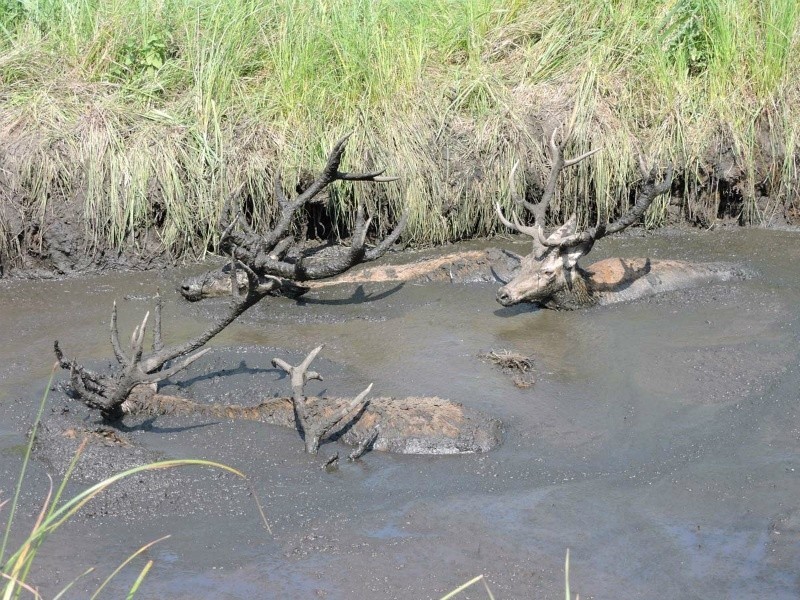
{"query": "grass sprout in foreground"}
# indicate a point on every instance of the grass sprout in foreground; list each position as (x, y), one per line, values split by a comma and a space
(482, 579)
(15, 568)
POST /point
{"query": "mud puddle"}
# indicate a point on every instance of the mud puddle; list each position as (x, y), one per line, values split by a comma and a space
(659, 443)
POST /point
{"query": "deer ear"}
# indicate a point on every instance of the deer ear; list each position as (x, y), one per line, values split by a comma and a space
(566, 229)
(572, 254)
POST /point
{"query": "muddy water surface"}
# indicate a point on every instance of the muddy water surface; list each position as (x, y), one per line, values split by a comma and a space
(660, 442)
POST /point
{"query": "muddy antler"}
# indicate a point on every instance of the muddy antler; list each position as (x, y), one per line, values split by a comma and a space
(648, 191)
(539, 209)
(266, 254)
(565, 237)
(313, 425)
(112, 394)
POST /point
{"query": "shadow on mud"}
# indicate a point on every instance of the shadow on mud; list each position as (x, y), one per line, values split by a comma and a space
(517, 309)
(241, 369)
(359, 296)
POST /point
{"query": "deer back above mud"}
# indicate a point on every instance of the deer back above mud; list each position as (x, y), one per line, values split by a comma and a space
(551, 277)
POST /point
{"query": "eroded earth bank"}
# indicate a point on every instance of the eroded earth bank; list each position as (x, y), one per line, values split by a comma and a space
(659, 443)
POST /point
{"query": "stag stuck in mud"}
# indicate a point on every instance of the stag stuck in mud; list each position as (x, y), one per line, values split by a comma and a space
(259, 267)
(550, 275)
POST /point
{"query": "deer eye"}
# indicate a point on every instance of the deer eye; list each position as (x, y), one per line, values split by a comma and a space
(547, 272)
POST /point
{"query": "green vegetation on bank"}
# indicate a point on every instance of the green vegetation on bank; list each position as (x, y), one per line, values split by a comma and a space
(147, 113)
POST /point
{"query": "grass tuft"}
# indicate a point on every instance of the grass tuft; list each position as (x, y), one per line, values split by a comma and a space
(15, 568)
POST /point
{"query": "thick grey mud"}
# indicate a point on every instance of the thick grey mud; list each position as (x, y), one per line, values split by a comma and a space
(660, 442)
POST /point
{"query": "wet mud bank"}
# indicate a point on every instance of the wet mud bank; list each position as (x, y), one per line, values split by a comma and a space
(659, 442)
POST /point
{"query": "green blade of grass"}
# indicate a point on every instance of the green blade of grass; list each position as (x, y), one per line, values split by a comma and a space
(25, 461)
(139, 580)
(69, 508)
(14, 583)
(23, 565)
(566, 576)
(125, 562)
(66, 588)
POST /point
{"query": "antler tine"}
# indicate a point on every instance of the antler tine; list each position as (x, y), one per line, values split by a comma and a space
(532, 231)
(300, 374)
(229, 228)
(376, 176)
(328, 175)
(345, 410)
(650, 190)
(137, 339)
(516, 225)
(122, 358)
(308, 360)
(162, 375)
(390, 239)
(360, 231)
(89, 397)
(556, 164)
(577, 159)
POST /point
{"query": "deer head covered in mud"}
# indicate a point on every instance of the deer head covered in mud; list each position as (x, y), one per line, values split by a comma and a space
(279, 259)
(550, 275)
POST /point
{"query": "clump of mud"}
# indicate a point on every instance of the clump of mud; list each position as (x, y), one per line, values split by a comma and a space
(517, 366)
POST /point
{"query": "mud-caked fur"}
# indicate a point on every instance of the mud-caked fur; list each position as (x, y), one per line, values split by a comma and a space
(411, 425)
(470, 266)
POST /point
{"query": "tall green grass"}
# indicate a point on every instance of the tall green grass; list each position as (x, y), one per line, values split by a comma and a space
(148, 113)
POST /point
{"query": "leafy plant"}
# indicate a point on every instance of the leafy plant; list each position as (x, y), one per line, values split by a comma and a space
(685, 32)
(144, 57)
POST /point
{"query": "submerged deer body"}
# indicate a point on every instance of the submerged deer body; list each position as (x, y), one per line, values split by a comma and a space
(613, 280)
(470, 266)
(551, 277)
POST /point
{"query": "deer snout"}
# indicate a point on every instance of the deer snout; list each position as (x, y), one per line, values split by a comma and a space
(504, 298)
(190, 291)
